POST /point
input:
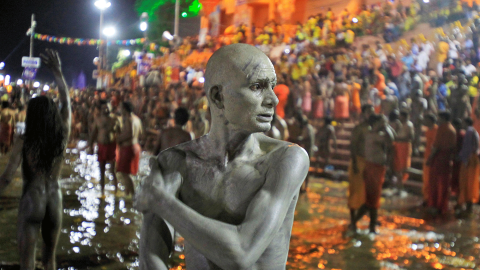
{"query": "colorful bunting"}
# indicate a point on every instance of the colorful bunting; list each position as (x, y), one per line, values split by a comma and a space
(92, 42)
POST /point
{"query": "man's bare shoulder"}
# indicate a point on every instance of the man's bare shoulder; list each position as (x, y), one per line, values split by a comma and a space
(174, 157)
(279, 150)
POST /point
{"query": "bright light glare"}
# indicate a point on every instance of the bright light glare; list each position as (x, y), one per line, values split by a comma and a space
(19, 81)
(36, 84)
(184, 14)
(167, 35)
(109, 31)
(201, 80)
(126, 53)
(355, 20)
(2, 65)
(7, 80)
(46, 88)
(2, 77)
(426, 1)
(287, 51)
(102, 4)
(143, 26)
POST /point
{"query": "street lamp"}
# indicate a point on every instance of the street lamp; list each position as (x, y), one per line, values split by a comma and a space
(126, 53)
(109, 31)
(102, 5)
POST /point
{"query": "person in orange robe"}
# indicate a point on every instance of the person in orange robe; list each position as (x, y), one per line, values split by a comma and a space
(468, 191)
(378, 148)
(439, 161)
(356, 103)
(402, 157)
(431, 123)
(380, 84)
(457, 124)
(282, 92)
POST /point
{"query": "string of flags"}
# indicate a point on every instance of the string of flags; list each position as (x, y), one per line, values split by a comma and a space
(88, 42)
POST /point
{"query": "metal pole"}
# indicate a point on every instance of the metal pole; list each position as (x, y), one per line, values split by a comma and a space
(177, 14)
(100, 60)
(32, 34)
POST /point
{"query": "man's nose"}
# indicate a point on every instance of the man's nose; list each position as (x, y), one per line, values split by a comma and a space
(270, 99)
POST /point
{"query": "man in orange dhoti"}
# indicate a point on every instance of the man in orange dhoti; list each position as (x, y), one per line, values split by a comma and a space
(378, 149)
(431, 123)
(440, 164)
(356, 188)
(7, 123)
(402, 157)
(468, 191)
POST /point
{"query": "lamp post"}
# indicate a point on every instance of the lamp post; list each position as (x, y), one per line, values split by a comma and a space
(108, 32)
(144, 27)
(102, 5)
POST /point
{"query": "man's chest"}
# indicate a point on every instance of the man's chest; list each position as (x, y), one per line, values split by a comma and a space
(222, 193)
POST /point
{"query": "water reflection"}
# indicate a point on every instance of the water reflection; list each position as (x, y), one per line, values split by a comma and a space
(103, 233)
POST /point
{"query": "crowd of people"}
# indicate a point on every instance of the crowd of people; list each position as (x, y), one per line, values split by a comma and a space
(391, 96)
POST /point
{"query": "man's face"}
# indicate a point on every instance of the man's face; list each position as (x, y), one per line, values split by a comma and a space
(249, 100)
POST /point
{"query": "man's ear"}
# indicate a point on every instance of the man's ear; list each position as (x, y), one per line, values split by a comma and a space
(216, 96)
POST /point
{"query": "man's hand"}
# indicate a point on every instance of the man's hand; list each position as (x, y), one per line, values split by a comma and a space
(154, 186)
(51, 60)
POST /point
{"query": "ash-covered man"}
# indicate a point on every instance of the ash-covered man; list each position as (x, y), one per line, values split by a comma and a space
(231, 193)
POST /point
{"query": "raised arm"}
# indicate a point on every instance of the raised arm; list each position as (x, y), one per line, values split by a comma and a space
(51, 59)
(238, 246)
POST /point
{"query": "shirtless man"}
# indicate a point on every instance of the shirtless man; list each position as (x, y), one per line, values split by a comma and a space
(232, 193)
(104, 130)
(127, 140)
(389, 103)
(41, 152)
(7, 124)
(174, 135)
(378, 149)
(403, 150)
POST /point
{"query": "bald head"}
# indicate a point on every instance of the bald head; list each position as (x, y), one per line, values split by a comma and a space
(239, 83)
(235, 62)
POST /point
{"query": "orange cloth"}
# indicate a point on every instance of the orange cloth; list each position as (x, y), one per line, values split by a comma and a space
(356, 103)
(374, 176)
(430, 138)
(282, 92)
(6, 134)
(468, 185)
(441, 168)
(356, 188)
(128, 158)
(380, 85)
(106, 152)
(446, 137)
(439, 179)
(341, 107)
(402, 158)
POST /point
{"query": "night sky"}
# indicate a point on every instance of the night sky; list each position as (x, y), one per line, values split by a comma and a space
(66, 18)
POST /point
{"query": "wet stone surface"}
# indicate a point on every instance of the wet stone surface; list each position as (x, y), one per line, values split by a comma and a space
(103, 233)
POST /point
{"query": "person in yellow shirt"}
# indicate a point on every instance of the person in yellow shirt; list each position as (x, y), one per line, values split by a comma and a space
(442, 52)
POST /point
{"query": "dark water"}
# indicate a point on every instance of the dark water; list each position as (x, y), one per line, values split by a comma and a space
(103, 233)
